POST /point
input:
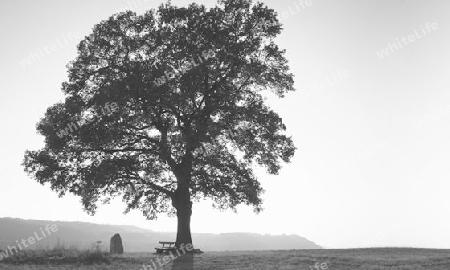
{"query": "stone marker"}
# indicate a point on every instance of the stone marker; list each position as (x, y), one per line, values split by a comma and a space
(115, 246)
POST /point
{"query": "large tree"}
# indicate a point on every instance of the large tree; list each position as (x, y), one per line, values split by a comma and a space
(190, 120)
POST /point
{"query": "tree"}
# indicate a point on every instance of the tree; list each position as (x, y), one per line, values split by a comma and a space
(190, 120)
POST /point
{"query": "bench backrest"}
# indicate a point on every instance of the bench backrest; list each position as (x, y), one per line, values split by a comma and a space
(167, 243)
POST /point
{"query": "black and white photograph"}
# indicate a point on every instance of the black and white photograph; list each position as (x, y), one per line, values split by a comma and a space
(225, 134)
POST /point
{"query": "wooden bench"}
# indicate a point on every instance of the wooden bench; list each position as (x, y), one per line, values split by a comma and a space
(164, 248)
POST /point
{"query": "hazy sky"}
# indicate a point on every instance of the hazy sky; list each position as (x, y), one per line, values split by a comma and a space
(370, 118)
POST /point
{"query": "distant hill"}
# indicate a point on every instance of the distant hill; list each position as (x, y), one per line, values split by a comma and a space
(82, 235)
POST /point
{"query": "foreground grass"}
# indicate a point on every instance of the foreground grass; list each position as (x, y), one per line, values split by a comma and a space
(351, 259)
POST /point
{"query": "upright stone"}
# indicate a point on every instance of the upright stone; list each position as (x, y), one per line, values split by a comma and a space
(116, 246)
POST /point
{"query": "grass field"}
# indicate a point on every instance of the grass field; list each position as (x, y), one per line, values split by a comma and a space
(358, 259)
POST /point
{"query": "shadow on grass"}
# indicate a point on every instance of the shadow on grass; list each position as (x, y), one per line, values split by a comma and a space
(184, 262)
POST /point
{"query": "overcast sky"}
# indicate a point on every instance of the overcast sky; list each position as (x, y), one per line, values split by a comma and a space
(370, 119)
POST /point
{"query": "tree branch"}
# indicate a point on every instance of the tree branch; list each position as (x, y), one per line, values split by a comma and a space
(153, 186)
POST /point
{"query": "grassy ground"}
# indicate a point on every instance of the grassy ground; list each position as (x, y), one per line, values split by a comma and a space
(351, 259)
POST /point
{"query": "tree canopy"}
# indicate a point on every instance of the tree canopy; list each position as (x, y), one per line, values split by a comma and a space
(190, 120)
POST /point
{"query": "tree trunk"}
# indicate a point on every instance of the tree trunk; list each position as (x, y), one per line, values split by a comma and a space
(181, 201)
